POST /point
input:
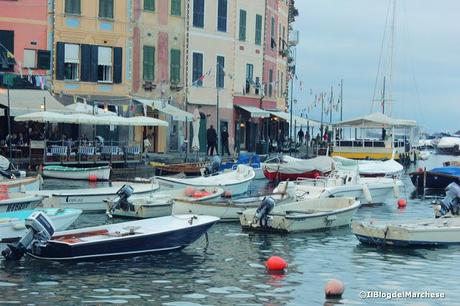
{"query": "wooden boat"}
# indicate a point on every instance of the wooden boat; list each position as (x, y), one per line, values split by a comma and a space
(92, 199)
(290, 168)
(226, 210)
(14, 201)
(107, 241)
(101, 173)
(30, 183)
(236, 182)
(437, 178)
(306, 215)
(189, 169)
(12, 226)
(429, 232)
(159, 204)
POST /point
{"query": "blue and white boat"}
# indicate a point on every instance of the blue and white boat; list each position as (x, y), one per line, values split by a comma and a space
(12, 224)
(252, 160)
(14, 201)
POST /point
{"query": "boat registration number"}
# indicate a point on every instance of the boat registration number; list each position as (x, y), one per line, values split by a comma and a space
(17, 206)
(74, 200)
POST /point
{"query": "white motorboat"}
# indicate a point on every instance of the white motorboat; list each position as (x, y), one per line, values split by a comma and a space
(91, 199)
(12, 226)
(226, 210)
(236, 182)
(372, 168)
(101, 173)
(306, 215)
(157, 204)
(14, 201)
(345, 184)
(424, 155)
(449, 145)
(30, 183)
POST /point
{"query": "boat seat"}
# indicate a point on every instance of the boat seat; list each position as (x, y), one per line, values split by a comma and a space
(57, 151)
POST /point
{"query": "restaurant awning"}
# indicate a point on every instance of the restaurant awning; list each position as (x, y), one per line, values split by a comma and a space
(297, 120)
(376, 120)
(167, 109)
(255, 111)
(23, 101)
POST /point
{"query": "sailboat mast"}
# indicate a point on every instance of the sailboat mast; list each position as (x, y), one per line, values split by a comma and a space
(383, 95)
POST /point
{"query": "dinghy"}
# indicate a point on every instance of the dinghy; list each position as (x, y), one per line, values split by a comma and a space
(12, 224)
(92, 199)
(236, 182)
(436, 178)
(31, 183)
(158, 204)
(189, 169)
(290, 168)
(252, 160)
(306, 215)
(101, 173)
(371, 168)
(14, 201)
(449, 145)
(121, 239)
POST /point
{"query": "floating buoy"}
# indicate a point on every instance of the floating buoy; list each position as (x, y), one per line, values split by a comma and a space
(334, 289)
(227, 194)
(402, 203)
(92, 178)
(276, 263)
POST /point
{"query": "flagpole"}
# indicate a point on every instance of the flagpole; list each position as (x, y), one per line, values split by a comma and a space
(341, 99)
(330, 105)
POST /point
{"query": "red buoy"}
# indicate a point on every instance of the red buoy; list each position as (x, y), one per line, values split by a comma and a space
(276, 263)
(402, 203)
(92, 178)
(334, 289)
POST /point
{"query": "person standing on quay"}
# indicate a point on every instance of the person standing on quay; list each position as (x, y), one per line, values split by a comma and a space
(300, 135)
(211, 137)
(224, 136)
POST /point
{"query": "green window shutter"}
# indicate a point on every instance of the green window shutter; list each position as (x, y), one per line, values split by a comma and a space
(175, 66)
(242, 35)
(258, 40)
(149, 5)
(176, 7)
(72, 7)
(149, 63)
(106, 8)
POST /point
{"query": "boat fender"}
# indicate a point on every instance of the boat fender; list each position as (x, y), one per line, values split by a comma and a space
(395, 188)
(19, 226)
(367, 194)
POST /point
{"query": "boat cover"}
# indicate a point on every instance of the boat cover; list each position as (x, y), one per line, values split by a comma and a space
(455, 171)
(291, 165)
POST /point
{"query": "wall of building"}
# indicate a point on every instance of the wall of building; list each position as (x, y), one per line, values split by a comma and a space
(281, 58)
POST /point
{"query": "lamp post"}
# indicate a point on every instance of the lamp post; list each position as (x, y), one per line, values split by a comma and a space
(10, 153)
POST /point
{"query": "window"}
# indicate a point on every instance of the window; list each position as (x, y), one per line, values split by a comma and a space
(272, 33)
(249, 77)
(149, 5)
(175, 66)
(104, 64)
(270, 82)
(176, 7)
(106, 9)
(149, 63)
(197, 73)
(72, 7)
(29, 59)
(220, 75)
(282, 84)
(198, 13)
(71, 61)
(258, 40)
(242, 35)
(222, 16)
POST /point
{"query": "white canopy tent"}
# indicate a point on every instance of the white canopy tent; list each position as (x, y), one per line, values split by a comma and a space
(376, 120)
(255, 111)
(167, 109)
(299, 121)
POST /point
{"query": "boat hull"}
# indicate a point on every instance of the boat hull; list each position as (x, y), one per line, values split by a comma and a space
(21, 203)
(433, 180)
(280, 176)
(235, 189)
(99, 173)
(23, 184)
(145, 211)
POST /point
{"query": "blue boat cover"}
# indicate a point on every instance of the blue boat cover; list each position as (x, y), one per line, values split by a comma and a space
(447, 170)
(252, 160)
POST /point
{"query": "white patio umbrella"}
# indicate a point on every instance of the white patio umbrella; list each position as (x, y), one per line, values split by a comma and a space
(145, 121)
(196, 130)
(44, 117)
(88, 109)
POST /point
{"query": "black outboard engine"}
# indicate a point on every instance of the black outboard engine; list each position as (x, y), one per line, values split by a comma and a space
(214, 167)
(451, 201)
(122, 202)
(262, 212)
(40, 231)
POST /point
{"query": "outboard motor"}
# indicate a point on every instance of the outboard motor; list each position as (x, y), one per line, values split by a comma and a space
(214, 166)
(40, 231)
(262, 212)
(451, 201)
(122, 202)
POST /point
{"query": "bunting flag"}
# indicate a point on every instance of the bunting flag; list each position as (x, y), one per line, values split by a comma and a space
(202, 77)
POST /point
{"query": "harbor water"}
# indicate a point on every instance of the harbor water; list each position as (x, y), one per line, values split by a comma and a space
(229, 269)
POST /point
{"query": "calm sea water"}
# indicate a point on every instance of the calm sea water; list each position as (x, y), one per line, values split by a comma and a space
(230, 271)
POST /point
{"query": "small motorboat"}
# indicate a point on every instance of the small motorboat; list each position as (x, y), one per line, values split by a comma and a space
(92, 199)
(290, 168)
(371, 168)
(226, 210)
(158, 204)
(30, 183)
(236, 182)
(424, 155)
(107, 241)
(369, 190)
(449, 145)
(14, 201)
(437, 178)
(101, 173)
(442, 230)
(189, 169)
(12, 224)
(250, 159)
(306, 215)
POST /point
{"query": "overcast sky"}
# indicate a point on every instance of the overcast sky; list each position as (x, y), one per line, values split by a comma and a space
(342, 39)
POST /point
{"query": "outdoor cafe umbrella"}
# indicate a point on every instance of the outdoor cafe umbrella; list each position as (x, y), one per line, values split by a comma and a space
(144, 121)
(89, 109)
(196, 130)
(44, 117)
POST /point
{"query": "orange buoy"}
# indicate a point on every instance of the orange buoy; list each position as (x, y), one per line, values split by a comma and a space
(276, 263)
(92, 178)
(227, 194)
(402, 203)
(334, 289)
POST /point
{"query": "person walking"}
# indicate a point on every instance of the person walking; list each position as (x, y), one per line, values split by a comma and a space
(211, 137)
(224, 138)
(307, 137)
(300, 135)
